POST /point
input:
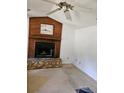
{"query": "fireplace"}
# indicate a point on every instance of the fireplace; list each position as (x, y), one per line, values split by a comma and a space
(44, 50)
(41, 45)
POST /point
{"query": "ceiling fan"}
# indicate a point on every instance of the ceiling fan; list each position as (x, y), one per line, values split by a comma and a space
(63, 5)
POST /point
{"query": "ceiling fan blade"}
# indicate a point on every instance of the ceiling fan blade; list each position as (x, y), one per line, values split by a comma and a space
(54, 11)
(82, 9)
(49, 1)
(67, 15)
(76, 13)
(82, 6)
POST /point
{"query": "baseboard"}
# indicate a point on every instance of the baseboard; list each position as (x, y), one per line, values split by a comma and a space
(84, 72)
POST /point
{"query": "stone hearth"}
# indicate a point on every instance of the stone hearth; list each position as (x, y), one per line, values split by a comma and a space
(40, 63)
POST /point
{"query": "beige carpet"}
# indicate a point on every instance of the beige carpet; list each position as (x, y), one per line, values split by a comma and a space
(58, 80)
(35, 82)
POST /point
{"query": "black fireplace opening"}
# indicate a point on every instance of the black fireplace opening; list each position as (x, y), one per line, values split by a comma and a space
(44, 50)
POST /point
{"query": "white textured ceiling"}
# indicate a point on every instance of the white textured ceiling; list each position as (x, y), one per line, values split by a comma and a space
(81, 18)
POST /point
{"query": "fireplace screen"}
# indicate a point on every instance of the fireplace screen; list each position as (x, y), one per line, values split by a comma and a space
(44, 50)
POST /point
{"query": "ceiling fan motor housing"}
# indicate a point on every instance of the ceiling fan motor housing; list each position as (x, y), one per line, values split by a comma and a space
(66, 5)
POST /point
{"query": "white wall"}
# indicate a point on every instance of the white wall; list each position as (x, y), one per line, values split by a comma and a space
(80, 48)
(67, 44)
(86, 50)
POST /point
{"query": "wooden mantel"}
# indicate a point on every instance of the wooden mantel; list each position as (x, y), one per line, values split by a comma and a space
(45, 38)
(36, 36)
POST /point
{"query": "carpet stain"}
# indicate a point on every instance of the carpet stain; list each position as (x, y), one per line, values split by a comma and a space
(35, 82)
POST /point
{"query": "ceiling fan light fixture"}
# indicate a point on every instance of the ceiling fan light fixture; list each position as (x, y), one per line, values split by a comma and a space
(67, 15)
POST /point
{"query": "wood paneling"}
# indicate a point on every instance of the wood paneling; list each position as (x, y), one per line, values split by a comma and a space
(36, 36)
(34, 27)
